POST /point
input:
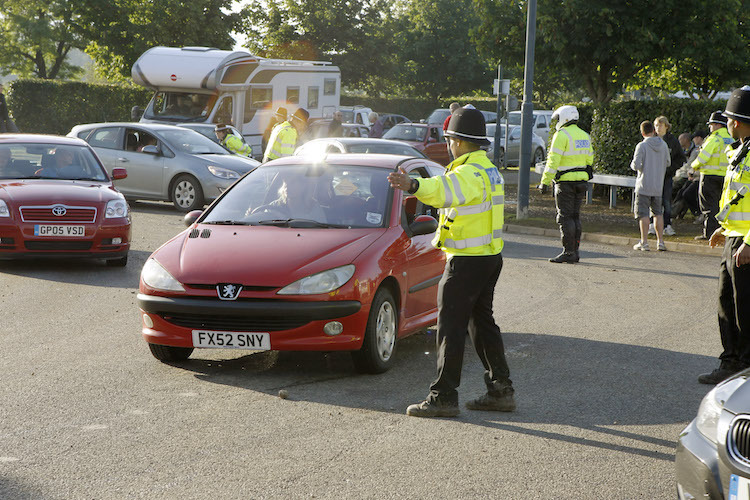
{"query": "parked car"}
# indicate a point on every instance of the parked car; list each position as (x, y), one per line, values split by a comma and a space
(56, 200)
(357, 145)
(208, 130)
(321, 128)
(423, 137)
(538, 146)
(713, 451)
(439, 115)
(389, 120)
(165, 162)
(540, 125)
(356, 114)
(340, 262)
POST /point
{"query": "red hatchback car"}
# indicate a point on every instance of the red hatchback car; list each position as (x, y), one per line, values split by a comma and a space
(425, 137)
(56, 200)
(301, 254)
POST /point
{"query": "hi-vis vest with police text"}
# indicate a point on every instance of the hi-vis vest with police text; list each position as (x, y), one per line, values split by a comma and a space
(471, 197)
(712, 159)
(570, 152)
(737, 222)
(281, 142)
(235, 145)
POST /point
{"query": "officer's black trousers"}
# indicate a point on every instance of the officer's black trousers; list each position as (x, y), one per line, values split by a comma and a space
(465, 304)
(734, 308)
(709, 194)
(569, 196)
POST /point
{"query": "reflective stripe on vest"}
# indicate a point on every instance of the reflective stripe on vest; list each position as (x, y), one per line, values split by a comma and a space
(741, 216)
(473, 242)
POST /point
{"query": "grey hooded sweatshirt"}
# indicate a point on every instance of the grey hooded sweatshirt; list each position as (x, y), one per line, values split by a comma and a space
(650, 160)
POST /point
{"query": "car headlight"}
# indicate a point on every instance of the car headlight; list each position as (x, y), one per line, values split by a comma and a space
(116, 208)
(707, 420)
(4, 210)
(158, 278)
(223, 173)
(324, 282)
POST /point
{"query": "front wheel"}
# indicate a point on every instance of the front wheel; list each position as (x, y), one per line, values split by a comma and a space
(379, 345)
(538, 157)
(187, 194)
(166, 353)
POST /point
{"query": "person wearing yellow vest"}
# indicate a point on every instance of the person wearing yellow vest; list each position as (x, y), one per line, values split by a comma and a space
(231, 141)
(734, 234)
(284, 136)
(470, 197)
(569, 166)
(712, 165)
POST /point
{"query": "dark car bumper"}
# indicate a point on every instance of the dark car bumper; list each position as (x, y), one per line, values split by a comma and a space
(697, 466)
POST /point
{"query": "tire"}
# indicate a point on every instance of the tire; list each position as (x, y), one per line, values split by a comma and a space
(379, 345)
(538, 157)
(186, 193)
(121, 262)
(166, 353)
(501, 158)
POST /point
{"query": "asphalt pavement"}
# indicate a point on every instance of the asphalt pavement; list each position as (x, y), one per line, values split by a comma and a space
(603, 354)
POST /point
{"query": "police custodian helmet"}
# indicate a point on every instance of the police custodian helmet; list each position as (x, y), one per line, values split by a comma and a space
(717, 117)
(468, 124)
(738, 105)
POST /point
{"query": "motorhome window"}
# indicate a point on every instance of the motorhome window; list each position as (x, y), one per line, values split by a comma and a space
(329, 86)
(180, 106)
(257, 98)
(312, 97)
(238, 73)
(292, 95)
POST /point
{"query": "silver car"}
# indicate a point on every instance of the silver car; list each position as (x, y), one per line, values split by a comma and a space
(165, 162)
(538, 148)
(713, 452)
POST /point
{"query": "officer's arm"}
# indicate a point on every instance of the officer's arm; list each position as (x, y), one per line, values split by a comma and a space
(457, 187)
(705, 154)
(559, 145)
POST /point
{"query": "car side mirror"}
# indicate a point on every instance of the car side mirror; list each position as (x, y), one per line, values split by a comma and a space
(191, 217)
(119, 173)
(423, 224)
(150, 149)
(515, 136)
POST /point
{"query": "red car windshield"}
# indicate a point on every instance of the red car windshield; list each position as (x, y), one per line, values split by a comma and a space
(312, 196)
(49, 161)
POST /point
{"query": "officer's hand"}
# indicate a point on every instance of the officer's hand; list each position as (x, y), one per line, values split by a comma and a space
(716, 239)
(400, 179)
(742, 255)
(542, 188)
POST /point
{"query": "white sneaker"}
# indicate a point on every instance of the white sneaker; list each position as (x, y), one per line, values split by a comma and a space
(651, 229)
(643, 247)
(668, 231)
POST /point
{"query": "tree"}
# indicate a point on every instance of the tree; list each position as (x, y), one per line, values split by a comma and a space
(36, 37)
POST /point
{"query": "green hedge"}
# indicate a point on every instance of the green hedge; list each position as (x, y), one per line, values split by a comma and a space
(414, 108)
(54, 107)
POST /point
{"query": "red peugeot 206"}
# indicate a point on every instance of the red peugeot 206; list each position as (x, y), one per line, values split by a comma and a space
(301, 254)
(56, 200)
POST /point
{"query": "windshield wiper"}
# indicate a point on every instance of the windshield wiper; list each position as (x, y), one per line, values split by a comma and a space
(81, 179)
(298, 223)
(227, 223)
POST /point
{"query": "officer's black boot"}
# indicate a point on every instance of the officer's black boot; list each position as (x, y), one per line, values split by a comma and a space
(567, 235)
(565, 257)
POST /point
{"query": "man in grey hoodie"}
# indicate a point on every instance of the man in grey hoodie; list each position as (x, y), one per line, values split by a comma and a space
(650, 160)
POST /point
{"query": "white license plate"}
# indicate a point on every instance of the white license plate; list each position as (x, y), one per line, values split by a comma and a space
(58, 230)
(232, 340)
(739, 488)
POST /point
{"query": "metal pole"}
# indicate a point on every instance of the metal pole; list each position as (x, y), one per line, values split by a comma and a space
(496, 156)
(507, 128)
(522, 210)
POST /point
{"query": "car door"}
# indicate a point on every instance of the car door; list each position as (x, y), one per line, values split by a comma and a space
(146, 172)
(424, 262)
(514, 145)
(542, 128)
(435, 146)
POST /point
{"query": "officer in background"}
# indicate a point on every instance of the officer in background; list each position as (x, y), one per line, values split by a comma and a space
(232, 142)
(471, 198)
(278, 117)
(734, 233)
(284, 136)
(712, 165)
(569, 165)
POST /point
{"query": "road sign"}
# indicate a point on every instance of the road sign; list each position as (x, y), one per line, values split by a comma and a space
(501, 87)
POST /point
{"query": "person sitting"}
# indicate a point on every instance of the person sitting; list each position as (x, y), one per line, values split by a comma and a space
(147, 140)
(296, 200)
(63, 166)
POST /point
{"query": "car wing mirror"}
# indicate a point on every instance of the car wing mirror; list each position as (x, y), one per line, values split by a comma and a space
(119, 173)
(423, 224)
(191, 217)
(150, 149)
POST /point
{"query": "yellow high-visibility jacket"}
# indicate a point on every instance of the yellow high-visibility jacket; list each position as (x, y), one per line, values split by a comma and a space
(470, 196)
(737, 222)
(282, 141)
(570, 149)
(235, 145)
(712, 158)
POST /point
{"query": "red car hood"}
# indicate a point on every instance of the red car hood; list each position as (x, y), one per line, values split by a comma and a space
(24, 192)
(260, 255)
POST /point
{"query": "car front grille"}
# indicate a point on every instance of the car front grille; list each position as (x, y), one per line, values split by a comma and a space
(738, 442)
(57, 245)
(47, 214)
(234, 323)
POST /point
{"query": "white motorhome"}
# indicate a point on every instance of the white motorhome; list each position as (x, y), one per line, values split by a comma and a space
(201, 84)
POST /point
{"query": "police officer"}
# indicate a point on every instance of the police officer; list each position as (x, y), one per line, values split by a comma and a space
(470, 197)
(232, 142)
(569, 166)
(712, 165)
(734, 233)
(284, 136)
(278, 118)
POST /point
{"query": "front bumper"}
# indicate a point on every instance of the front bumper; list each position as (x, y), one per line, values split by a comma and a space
(697, 466)
(294, 326)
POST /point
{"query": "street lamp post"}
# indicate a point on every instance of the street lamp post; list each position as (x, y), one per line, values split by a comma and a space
(522, 209)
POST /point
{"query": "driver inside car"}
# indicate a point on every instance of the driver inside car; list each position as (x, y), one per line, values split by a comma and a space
(62, 166)
(296, 200)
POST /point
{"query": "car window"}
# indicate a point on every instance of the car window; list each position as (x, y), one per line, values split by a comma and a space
(419, 208)
(191, 142)
(49, 161)
(403, 132)
(385, 148)
(541, 121)
(323, 195)
(103, 137)
(136, 140)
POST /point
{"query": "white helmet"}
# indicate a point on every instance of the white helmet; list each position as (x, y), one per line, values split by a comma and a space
(564, 115)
